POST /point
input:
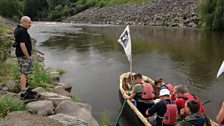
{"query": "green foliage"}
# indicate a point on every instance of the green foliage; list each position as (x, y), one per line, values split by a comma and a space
(39, 78)
(59, 12)
(74, 98)
(105, 120)
(9, 104)
(4, 29)
(11, 8)
(61, 71)
(9, 71)
(55, 10)
(211, 14)
(4, 48)
(36, 9)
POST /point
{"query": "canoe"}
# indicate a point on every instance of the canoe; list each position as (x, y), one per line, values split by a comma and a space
(130, 109)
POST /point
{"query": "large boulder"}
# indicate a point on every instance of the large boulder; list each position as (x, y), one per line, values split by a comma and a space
(67, 120)
(39, 90)
(67, 87)
(23, 118)
(61, 91)
(44, 107)
(80, 110)
(55, 76)
(55, 98)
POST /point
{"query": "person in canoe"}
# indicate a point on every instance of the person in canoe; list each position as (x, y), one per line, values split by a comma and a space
(159, 84)
(142, 92)
(182, 95)
(220, 116)
(164, 112)
(189, 115)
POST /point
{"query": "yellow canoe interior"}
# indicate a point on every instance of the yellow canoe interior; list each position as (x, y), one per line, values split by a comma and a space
(133, 107)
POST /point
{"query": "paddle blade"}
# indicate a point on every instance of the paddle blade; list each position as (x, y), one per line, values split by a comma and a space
(221, 70)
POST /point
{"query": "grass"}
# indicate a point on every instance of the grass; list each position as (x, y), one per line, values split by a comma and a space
(75, 98)
(8, 71)
(39, 77)
(60, 70)
(105, 120)
(9, 104)
(4, 29)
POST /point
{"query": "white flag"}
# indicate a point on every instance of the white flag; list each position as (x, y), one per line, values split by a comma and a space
(221, 70)
(125, 41)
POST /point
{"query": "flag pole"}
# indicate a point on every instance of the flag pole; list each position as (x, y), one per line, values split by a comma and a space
(130, 63)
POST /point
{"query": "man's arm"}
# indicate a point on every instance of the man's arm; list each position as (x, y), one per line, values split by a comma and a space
(220, 116)
(132, 95)
(24, 50)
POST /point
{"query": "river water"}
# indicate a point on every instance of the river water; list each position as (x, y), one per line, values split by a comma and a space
(93, 60)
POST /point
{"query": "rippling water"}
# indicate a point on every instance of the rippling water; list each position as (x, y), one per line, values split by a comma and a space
(93, 60)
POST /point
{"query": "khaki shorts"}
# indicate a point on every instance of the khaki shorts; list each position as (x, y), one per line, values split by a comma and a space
(25, 66)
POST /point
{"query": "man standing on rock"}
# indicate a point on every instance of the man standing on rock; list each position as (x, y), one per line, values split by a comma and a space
(23, 50)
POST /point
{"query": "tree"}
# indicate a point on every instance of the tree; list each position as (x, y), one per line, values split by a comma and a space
(211, 13)
(11, 8)
(36, 9)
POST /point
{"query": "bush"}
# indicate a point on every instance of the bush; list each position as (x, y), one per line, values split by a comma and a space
(61, 71)
(105, 120)
(10, 8)
(9, 104)
(211, 14)
(39, 78)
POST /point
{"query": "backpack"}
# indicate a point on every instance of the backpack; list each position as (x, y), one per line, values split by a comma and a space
(147, 91)
(169, 117)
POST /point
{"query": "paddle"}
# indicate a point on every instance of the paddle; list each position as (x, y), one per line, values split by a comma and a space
(123, 105)
(206, 102)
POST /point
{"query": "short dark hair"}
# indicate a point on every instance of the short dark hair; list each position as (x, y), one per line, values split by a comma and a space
(193, 105)
(138, 75)
(158, 80)
(181, 89)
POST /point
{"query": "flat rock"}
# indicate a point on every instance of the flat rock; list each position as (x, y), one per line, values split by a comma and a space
(67, 120)
(61, 91)
(24, 118)
(43, 107)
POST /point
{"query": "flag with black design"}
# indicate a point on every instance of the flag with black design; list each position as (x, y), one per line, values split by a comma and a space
(221, 70)
(125, 41)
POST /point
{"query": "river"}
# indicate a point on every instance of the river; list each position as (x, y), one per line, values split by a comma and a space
(93, 60)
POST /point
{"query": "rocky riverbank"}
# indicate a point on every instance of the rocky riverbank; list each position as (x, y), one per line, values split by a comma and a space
(54, 106)
(171, 13)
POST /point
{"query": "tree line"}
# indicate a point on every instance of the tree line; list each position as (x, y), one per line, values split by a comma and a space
(211, 12)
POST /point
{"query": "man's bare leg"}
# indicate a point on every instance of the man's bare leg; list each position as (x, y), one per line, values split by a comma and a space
(23, 79)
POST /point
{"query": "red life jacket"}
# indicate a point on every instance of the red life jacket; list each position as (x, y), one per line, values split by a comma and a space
(147, 91)
(189, 96)
(170, 87)
(169, 117)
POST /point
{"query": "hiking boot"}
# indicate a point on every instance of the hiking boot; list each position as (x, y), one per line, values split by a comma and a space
(28, 94)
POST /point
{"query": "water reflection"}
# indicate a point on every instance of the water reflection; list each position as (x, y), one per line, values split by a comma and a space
(181, 56)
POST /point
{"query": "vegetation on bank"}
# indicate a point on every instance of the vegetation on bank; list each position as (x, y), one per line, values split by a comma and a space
(105, 120)
(9, 104)
(211, 13)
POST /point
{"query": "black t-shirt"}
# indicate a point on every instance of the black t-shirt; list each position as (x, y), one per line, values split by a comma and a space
(160, 109)
(22, 36)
